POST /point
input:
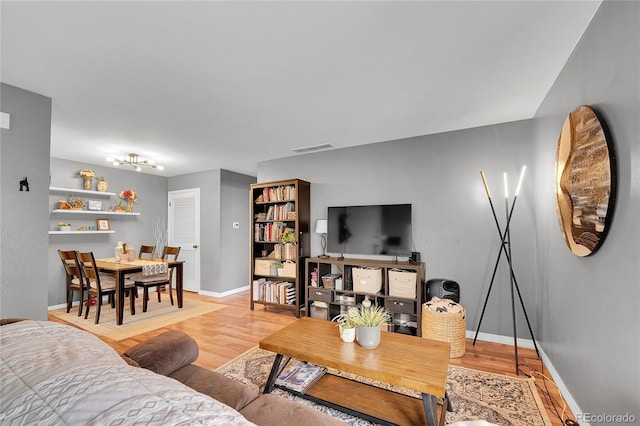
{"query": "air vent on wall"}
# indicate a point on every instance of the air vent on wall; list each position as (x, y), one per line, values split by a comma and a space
(312, 148)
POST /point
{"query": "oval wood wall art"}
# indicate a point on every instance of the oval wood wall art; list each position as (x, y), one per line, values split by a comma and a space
(585, 181)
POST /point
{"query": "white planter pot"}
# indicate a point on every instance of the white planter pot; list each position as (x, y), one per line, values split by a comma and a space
(347, 335)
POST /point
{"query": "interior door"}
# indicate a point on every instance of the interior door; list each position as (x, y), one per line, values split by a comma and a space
(184, 230)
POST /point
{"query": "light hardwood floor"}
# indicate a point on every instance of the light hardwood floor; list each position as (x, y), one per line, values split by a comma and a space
(227, 333)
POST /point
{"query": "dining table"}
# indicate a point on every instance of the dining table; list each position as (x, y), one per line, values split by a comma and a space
(123, 268)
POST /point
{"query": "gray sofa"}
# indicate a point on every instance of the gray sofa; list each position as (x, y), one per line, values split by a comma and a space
(172, 353)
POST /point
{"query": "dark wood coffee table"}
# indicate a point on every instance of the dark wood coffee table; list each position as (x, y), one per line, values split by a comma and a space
(407, 361)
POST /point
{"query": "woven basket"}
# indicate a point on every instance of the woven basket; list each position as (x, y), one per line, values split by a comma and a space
(446, 327)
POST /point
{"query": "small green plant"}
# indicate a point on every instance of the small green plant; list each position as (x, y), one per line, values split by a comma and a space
(367, 316)
(344, 320)
(288, 236)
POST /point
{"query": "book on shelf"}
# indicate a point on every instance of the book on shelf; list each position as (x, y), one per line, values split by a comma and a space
(270, 291)
(278, 193)
(300, 377)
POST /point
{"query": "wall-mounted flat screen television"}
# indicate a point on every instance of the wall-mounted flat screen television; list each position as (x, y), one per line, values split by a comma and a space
(370, 230)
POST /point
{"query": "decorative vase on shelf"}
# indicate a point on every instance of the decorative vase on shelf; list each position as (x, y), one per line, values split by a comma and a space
(130, 205)
(102, 185)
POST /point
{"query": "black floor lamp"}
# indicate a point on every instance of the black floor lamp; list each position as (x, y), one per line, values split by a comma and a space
(505, 246)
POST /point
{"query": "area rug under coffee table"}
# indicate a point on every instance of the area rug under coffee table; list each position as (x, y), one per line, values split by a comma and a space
(474, 395)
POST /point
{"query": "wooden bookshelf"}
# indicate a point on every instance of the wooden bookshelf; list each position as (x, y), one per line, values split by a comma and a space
(277, 266)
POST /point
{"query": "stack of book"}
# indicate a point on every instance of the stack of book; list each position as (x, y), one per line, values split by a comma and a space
(279, 212)
(279, 193)
(285, 251)
(282, 292)
(300, 377)
(270, 231)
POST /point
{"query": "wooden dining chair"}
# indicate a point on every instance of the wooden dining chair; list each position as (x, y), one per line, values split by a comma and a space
(158, 280)
(146, 252)
(73, 279)
(100, 285)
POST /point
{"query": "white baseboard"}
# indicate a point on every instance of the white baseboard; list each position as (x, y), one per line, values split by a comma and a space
(528, 343)
(496, 338)
(225, 293)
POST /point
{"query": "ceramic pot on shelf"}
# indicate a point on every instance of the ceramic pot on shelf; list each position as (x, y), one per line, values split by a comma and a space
(102, 185)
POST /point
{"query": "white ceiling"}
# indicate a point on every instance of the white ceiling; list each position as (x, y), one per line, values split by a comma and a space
(210, 84)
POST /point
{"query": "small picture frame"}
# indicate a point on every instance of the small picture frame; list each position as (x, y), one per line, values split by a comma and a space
(95, 205)
(103, 224)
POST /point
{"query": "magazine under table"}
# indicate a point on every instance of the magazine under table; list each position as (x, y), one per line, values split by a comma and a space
(366, 401)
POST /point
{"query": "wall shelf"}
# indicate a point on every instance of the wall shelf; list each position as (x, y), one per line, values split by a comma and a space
(94, 212)
(79, 232)
(58, 190)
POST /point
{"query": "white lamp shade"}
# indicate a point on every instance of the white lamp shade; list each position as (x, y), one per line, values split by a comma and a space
(321, 226)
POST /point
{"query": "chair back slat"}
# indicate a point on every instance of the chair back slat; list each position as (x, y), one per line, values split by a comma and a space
(88, 268)
(146, 250)
(69, 263)
(170, 251)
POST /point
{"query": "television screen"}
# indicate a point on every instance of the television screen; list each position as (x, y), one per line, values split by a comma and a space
(370, 230)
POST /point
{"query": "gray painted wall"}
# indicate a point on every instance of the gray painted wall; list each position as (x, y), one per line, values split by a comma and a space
(224, 254)
(235, 256)
(590, 306)
(24, 151)
(453, 226)
(134, 230)
(209, 184)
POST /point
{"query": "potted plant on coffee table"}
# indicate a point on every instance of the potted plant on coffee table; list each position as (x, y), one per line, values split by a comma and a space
(346, 326)
(368, 319)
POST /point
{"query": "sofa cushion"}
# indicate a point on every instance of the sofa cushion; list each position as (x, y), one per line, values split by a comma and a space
(165, 353)
(217, 386)
(272, 410)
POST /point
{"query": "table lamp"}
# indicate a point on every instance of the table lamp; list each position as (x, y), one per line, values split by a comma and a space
(321, 228)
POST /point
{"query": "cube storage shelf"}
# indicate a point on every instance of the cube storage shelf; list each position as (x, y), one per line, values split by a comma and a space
(406, 310)
(277, 277)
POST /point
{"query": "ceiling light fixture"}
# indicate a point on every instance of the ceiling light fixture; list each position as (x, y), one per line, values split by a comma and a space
(135, 162)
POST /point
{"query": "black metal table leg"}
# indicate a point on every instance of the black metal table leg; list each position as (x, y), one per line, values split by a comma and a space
(276, 369)
(430, 408)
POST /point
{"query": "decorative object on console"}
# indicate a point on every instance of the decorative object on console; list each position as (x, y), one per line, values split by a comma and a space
(505, 245)
(321, 228)
(87, 175)
(585, 181)
(135, 162)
